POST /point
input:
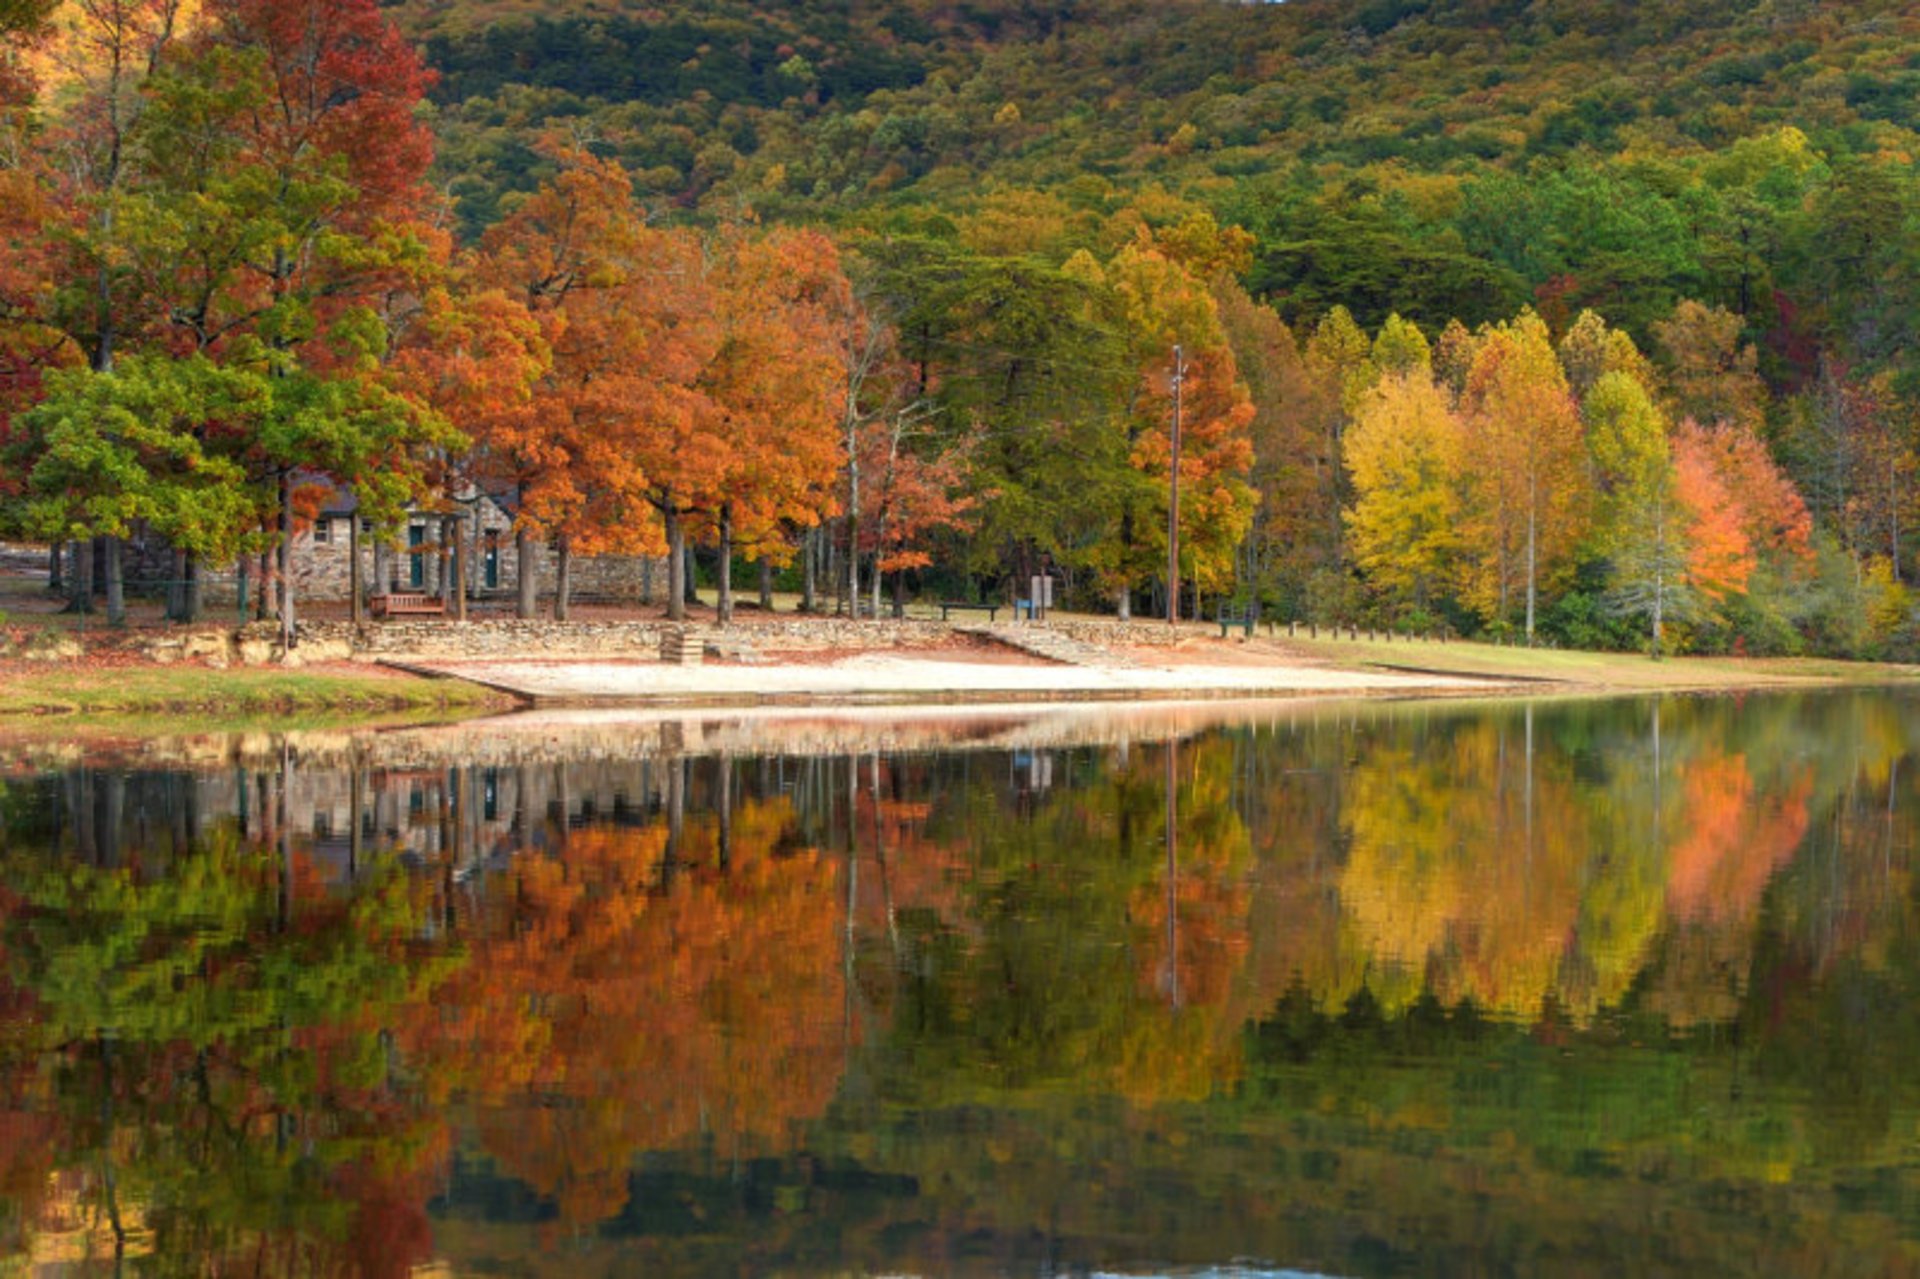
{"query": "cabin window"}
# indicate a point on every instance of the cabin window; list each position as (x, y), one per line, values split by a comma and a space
(416, 559)
(322, 530)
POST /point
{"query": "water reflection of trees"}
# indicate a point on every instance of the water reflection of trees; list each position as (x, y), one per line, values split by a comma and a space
(644, 990)
(203, 1057)
(273, 1017)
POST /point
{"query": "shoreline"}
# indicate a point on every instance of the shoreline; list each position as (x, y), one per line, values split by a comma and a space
(129, 696)
(794, 666)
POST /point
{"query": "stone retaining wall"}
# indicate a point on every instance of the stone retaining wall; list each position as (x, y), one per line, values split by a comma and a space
(1099, 631)
(516, 638)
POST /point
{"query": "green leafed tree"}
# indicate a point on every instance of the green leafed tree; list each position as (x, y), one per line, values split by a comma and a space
(1642, 523)
(106, 453)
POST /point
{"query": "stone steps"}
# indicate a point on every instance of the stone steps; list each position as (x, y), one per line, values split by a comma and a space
(1039, 640)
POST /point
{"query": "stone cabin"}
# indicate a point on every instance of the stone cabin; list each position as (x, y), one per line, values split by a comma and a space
(422, 559)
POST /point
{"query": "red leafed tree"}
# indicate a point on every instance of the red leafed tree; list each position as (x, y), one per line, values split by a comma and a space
(28, 343)
(917, 487)
(295, 172)
(345, 84)
(1720, 555)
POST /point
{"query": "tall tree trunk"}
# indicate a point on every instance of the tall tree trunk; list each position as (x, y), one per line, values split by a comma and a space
(1659, 609)
(287, 639)
(766, 585)
(853, 539)
(55, 581)
(191, 611)
(356, 607)
(899, 595)
(529, 583)
(853, 498)
(1532, 565)
(676, 565)
(563, 582)
(177, 587)
(1123, 603)
(809, 569)
(80, 579)
(382, 567)
(116, 582)
(726, 564)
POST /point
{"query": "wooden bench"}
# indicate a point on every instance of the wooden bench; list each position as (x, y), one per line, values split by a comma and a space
(398, 605)
(991, 610)
(1244, 618)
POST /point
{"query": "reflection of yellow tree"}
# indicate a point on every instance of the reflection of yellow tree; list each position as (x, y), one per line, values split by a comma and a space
(1481, 868)
(1466, 870)
(633, 994)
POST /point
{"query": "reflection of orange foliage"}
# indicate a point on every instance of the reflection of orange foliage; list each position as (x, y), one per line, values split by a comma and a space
(1737, 842)
(901, 866)
(620, 1000)
(1194, 1050)
(1201, 973)
(1210, 937)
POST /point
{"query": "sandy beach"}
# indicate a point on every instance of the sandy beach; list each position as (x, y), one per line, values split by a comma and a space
(930, 677)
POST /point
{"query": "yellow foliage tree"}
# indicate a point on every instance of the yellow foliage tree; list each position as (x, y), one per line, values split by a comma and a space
(1526, 475)
(1403, 452)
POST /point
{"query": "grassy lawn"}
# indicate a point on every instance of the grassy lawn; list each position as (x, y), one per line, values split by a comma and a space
(71, 690)
(1602, 670)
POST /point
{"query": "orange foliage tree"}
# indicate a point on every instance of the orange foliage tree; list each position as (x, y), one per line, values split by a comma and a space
(1719, 552)
(561, 416)
(771, 387)
(1164, 304)
(916, 485)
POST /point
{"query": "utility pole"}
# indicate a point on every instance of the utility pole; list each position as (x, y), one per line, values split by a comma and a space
(1173, 502)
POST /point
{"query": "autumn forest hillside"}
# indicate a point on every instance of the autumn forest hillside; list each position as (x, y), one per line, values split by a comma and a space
(1588, 321)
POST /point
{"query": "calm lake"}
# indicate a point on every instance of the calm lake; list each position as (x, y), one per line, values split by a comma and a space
(1583, 987)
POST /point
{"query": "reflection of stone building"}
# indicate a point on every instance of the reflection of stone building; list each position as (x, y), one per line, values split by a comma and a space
(344, 816)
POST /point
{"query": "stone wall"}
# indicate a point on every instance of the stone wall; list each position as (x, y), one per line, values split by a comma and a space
(534, 638)
(1101, 631)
